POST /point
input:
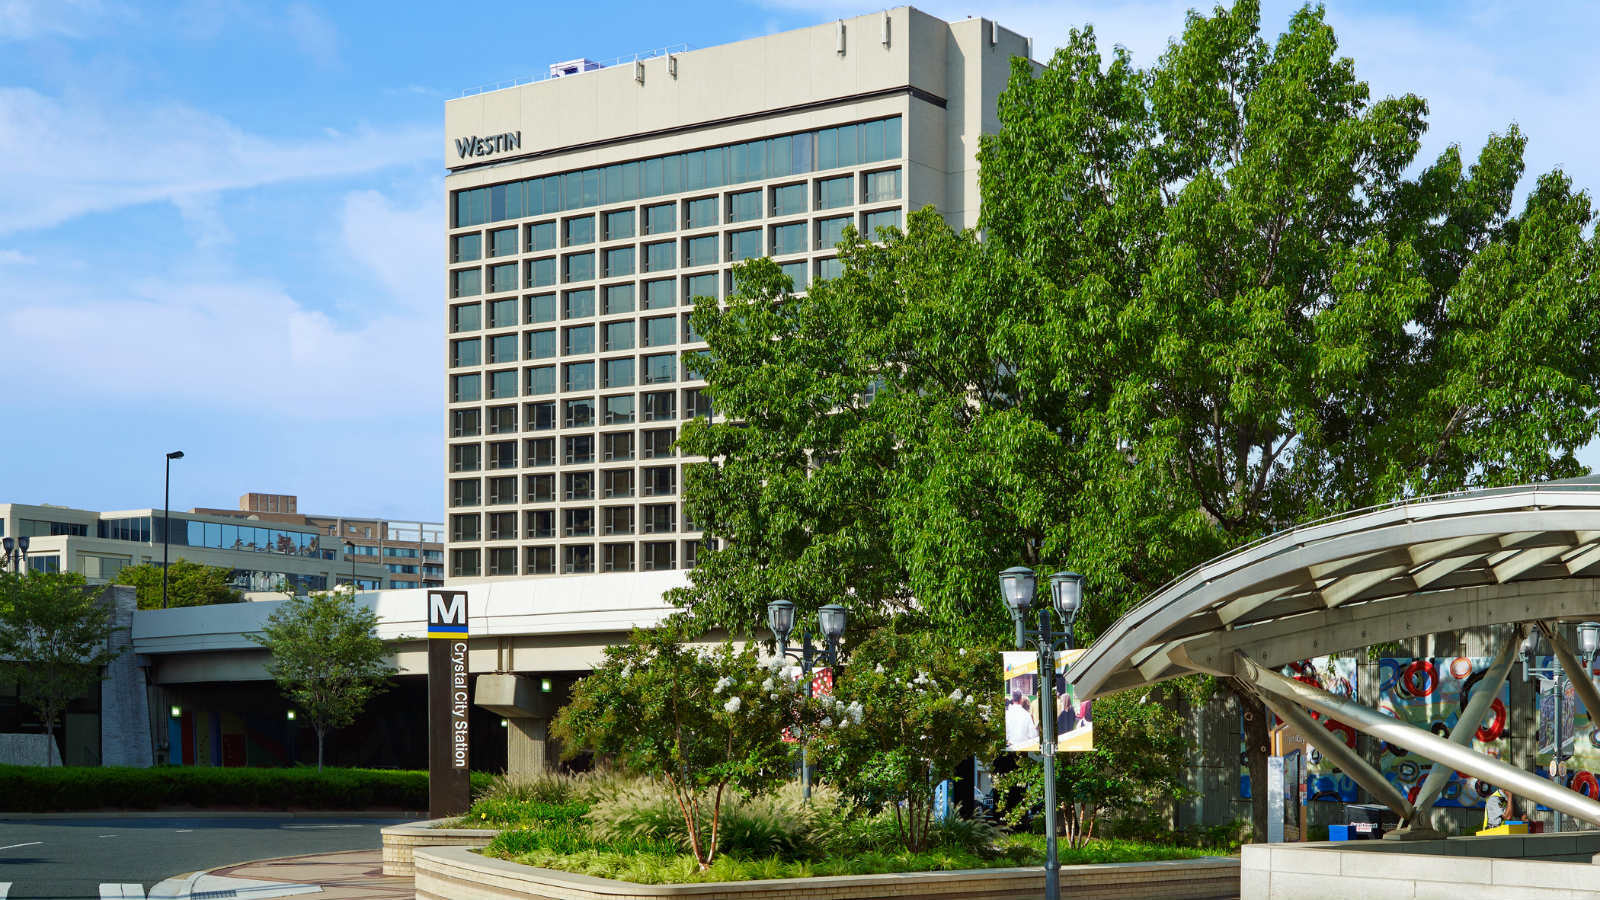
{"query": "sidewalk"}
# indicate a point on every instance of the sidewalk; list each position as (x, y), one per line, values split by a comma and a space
(350, 875)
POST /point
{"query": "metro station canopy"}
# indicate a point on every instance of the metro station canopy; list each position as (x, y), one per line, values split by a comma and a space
(1410, 568)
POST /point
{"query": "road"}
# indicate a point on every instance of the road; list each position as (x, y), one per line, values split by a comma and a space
(94, 857)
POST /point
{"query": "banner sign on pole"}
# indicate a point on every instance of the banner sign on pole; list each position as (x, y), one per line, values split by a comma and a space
(449, 702)
(1074, 724)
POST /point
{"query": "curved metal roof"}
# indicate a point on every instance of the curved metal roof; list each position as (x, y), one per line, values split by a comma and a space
(1380, 574)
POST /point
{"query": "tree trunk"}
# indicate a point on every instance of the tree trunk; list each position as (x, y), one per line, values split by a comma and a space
(50, 739)
(1257, 745)
(322, 733)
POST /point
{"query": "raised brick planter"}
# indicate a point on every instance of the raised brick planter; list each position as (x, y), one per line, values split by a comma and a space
(456, 873)
(399, 841)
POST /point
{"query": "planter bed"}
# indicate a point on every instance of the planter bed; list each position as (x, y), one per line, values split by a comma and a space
(400, 841)
(458, 873)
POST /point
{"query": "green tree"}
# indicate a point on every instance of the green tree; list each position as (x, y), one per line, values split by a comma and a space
(1214, 297)
(326, 658)
(54, 639)
(706, 721)
(188, 584)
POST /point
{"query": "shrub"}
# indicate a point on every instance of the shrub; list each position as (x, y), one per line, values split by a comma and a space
(771, 825)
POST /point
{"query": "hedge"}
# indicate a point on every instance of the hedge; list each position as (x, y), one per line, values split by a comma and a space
(38, 789)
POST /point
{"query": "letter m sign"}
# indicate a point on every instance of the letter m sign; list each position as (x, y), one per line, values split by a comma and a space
(447, 614)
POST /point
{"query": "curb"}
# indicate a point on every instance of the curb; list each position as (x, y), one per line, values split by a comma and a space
(398, 815)
(178, 886)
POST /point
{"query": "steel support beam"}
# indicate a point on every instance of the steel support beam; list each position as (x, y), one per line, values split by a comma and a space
(1335, 751)
(1467, 724)
(1424, 743)
(1582, 683)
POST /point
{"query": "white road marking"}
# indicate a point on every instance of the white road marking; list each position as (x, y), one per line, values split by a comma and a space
(110, 890)
(14, 846)
(98, 835)
(185, 830)
(204, 884)
(323, 826)
(5, 888)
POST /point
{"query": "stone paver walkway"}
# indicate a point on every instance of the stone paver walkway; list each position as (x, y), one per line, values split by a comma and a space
(351, 875)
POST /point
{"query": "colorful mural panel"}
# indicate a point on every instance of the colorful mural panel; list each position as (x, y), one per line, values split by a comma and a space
(1431, 693)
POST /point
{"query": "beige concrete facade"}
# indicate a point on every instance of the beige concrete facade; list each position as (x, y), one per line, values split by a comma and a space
(562, 404)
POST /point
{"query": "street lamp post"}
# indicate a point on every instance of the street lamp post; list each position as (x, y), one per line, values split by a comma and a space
(16, 554)
(831, 619)
(1588, 644)
(1017, 586)
(166, 522)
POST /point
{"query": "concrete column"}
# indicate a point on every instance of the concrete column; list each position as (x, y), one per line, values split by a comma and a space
(125, 737)
(528, 750)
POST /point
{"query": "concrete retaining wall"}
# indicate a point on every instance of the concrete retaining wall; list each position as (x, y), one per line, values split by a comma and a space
(456, 873)
(400, 841)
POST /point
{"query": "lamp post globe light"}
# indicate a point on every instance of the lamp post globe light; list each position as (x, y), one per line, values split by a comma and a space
(16, 554)
(1589, 641)
(166, 522)
(1017, 587)
(831, 621)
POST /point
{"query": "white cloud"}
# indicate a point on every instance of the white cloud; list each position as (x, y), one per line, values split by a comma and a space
(313, 32)
(67, 159)
(26, 20)
(14, 258)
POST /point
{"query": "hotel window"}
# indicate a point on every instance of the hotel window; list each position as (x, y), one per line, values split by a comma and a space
(658, 481)
(577, 339)
(466, 317)
(464, 563)
(658, 257)
(466, 282)
(696, 403)
(619, 224)
(503, 313)
(541, 344)
(831, 231)
(465, 492)
(658, 332)
(577, 522)
(540, 560)
(797, 278)
(502, 454)
(658, 518)
(659, 368)
(578, 413)
(690, 335)
(659, 406)
(872, 221)
(616, 520)
(690, 361)
(616, 446)
(660, 219)
(503, 526)
(578, 266)
(541, 308)
(619, 409)
(577, 304)
(618, 335)
(502, 490)
(577, 559)
(540, 416)
(658, 294)
(542, 272)
(577, 377)
(541, 236)
(463, 422)
(539, 451)
(503, 384)
(540, 523)
(744, 206)
(465, 388)
(833, 193)
(619, 299)
(578, 486)
(789, 239)
(502, 560)
(700, 251)
(539, 488)
(744, 244)
(697, 286)
(617, 483)
(465, 353)
(464, 457)
(788, 199)
(503, 348)
(618, 372)
(503, 242)
(877, 187)
(616, 557)
(466, 247)
(656, 556)
(831, 267)
(579, 230)
(657, 443)
(541, 380)
(619, 261)
(577, 449)
(700, 213)
(502, 420)
(691, 554)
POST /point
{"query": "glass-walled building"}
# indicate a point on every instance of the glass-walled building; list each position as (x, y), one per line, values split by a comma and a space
(587, 213)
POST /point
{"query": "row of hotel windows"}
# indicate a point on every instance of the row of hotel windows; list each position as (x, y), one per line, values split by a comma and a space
(613, 373)
(653, 406)
(576, 340)
(649, 518)
(576, 450)
(701, 212)
(705, 250)
(649, 556)
(400, 552)
(215, 535)
(713, 167)
(501, 490)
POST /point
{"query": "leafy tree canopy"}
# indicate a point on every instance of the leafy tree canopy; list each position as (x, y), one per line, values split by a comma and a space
(188, 584)
(54, 639)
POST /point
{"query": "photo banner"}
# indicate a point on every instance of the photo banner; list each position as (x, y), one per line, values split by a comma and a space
(1074, 725)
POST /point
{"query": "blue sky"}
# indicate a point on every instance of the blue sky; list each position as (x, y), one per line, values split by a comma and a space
(221, 223)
